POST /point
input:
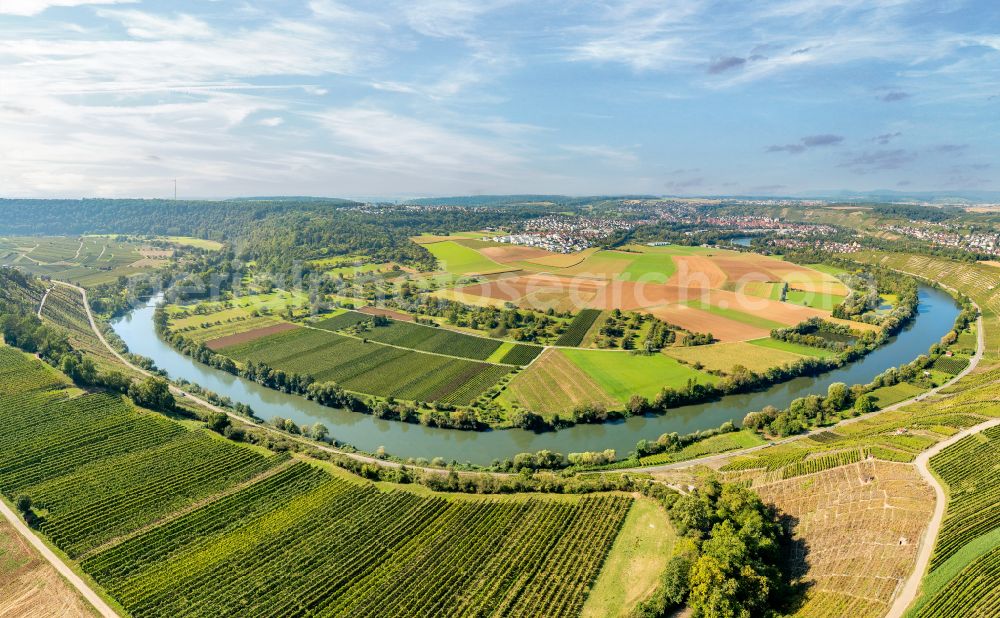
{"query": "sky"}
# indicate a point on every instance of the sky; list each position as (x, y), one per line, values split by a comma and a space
(397, 99)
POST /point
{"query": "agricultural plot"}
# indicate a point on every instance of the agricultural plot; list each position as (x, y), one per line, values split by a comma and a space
(816, 300)
(461, 260)
(371, 368)
(723, 356)
(95, 467)
(709, 446)
(30, 586)
(279, 549)
(555, 385)
(972, 591)
(622, 374)
(793, 348)
(86, 261)
(577, 330)
(856, 530)
(970, 469)
(432, 339)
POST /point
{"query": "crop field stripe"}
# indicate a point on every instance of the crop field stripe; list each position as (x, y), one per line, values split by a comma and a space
(737, 316)
(578, 328)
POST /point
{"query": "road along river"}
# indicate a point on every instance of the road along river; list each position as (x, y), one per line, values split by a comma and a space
(936, 315)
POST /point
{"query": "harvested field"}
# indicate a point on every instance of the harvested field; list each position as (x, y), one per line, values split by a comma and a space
(857, 529)
(460, 259)
(722, 356)
(697, 272)
(29, 586)
(554, 385)
(603, 264)
(389, 313)
(698, 321)
(776, 311)
(563, 260)
(250, 335)
(514, 253)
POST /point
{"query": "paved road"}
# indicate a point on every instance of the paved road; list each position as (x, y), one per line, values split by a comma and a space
(912, 585)
(88, 593)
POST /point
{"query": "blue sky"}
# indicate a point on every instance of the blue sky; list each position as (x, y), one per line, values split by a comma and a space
(413, 98)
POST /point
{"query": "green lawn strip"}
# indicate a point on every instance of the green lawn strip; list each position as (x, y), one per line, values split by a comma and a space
(650, 268)
(888, 395)
(632, 569)
(623, 374)
(500, 352)
(459, 259)
(816, 300)
(709, 446)
(736, 316)
(795, 348)
(937, 579)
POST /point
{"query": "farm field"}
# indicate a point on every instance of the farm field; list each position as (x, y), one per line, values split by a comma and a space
(633, 568)
(723, 356)
(794, 348)
(622, 374)
(461, 260)
(30, 586)
(264, 533)
(816, 300)
(555, 385)
(370, 368)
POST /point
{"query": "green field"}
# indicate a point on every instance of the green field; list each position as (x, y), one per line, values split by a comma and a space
(427, 338)
(709, 446)
(736, 315)
(723, 356)
(177, 521)
(826, 268)
(888, 395)
(650, 268)
(86, 261)
(461, 260)
(371, 368)
(198, 243)
(816, 300)
(622, 374)
(795, 348)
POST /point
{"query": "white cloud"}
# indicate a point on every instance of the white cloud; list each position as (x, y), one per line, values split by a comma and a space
(34, 7)
(143, 25)
(272, 121)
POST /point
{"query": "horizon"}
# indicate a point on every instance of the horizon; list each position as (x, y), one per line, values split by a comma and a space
(114, 98)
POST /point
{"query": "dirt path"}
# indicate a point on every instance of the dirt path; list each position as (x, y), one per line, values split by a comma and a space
(85, 590)
(41, 305)
(912, 585)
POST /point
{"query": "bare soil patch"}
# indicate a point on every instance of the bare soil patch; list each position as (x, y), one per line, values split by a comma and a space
(699, 321)
(514, 253)
(250, 335)
(697, 271)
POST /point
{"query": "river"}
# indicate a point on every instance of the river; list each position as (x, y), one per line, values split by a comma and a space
(936, 314)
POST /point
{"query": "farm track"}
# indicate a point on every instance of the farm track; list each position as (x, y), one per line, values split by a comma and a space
(74, 580)
(240, 419)
(41, 305)
(910, 589)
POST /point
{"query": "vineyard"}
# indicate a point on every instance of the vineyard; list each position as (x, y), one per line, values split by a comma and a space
(578, 328)
(432, 339)
(521, 354)
(370, 367)
(972, 592)
(970, 469)
(173, 521)
(856, 530)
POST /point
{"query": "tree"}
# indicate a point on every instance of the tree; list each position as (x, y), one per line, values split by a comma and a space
(22, 503)
(837, 396)
(319, 432)
(153, 393)
(865, 404)
(217, 422)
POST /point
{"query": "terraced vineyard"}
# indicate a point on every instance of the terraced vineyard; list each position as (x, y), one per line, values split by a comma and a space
(370, 367)
(173, 521)
(970, 468)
